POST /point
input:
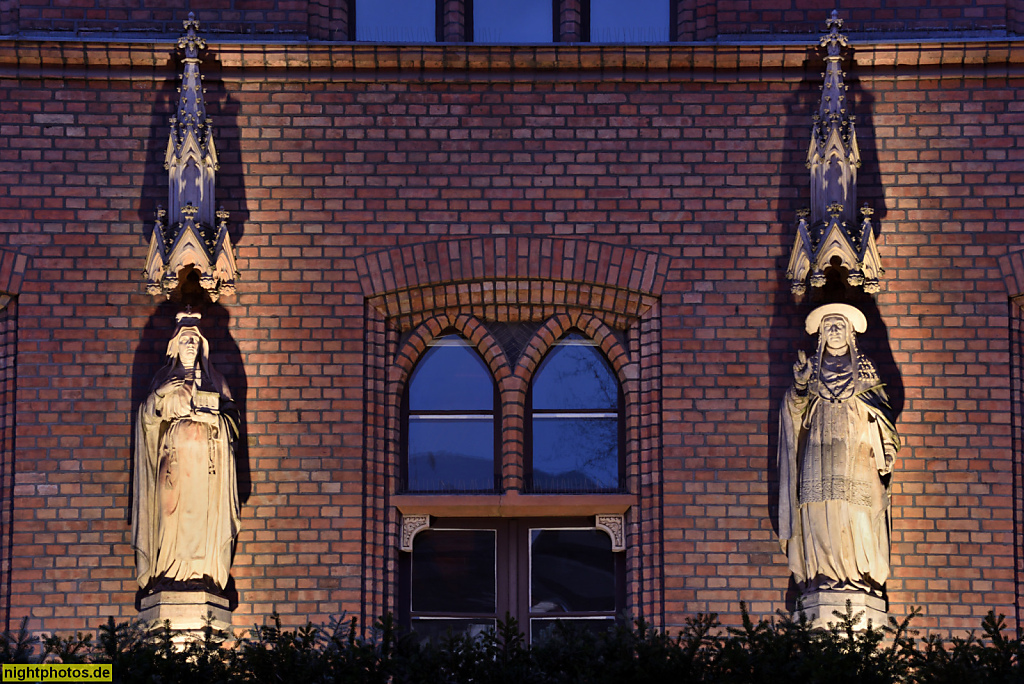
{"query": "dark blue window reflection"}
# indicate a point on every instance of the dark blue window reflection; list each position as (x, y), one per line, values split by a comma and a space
(396, 21)
(636, 21)
(450, 421)
(453, 571)
(521, 21)
(576, 421)
(571, 571)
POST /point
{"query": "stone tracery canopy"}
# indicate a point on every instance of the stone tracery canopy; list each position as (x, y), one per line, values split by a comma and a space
(190, 234)
(829, 236)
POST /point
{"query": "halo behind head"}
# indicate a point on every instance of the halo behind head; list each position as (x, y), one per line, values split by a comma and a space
(854, 316)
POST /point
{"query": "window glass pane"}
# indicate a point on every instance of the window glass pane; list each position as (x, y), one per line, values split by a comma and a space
(575, 454)
(521, 21)
(453, 571)
(451, 376)
(542, 628)
(451, 454)
(436, 630)
(635, 21)
(575, 375)
(396, 21)
(571, 571)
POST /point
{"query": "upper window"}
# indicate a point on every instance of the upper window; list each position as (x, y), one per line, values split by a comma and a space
(636, 21)
(576, 421)
(522, 21)
(449, 436)
(396, 21)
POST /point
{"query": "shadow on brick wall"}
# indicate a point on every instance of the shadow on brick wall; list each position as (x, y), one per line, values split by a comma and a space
(222, 108)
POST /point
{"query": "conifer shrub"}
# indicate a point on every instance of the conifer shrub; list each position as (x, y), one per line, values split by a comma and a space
(768, 651)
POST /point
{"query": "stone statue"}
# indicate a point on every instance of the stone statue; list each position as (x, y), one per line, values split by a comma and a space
(837, 441)
(186, 512)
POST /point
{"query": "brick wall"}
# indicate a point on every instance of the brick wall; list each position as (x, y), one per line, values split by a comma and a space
(693, 155)
(705, 19)
(103, 17)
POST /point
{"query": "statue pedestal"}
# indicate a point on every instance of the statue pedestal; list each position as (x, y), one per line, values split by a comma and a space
(820, 605)
(187, 611)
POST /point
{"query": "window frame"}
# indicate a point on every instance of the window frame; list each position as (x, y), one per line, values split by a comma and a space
(406, 413)
(513, 571)
(529, 413)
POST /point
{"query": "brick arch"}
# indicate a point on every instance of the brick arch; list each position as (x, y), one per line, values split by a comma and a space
(1011, 267)
(553, 330)
(591, 326)
(12, 272)
(465, 325)
(512, 258)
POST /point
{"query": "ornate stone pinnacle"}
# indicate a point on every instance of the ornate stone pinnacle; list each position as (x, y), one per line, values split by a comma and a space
(198, 242)
(832, 236)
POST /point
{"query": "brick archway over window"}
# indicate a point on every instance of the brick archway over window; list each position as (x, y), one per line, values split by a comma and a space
(415, 292)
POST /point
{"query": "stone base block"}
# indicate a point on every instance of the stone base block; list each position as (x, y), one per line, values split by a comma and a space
(187, 611)
(820, 606)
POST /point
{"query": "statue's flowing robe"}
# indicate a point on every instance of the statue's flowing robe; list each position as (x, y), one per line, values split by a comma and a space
(834, 518)
(186, 507)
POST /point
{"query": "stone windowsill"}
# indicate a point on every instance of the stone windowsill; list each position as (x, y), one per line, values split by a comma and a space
(511, 505)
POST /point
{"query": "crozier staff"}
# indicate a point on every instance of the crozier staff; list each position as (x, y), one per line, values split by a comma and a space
(837, 440)
(186, 509)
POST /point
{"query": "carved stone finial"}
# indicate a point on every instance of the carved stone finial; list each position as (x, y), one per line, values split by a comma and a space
(199, 242)
(834, 41)
(833, 158)
(191, 43)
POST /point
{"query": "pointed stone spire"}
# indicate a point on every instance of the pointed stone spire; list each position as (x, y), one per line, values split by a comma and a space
(190, 234)
(829, 235)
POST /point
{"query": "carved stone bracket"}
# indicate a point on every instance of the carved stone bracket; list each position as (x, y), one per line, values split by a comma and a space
(411, 525)
(615, 526)
(189, 234)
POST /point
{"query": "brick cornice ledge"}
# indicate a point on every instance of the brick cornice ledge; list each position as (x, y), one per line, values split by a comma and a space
(467, 61)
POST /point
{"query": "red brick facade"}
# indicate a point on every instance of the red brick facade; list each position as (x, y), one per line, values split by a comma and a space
(380, 195)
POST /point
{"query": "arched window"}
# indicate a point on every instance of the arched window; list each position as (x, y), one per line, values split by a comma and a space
(449, 440)
(576, 429)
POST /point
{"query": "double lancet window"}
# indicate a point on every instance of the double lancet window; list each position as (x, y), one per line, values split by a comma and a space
(573, 422)
(555, 423)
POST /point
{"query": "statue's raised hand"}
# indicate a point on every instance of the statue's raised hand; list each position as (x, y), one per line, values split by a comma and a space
(801, 369)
